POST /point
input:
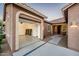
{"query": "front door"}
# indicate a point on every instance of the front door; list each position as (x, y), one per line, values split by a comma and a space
(59, 29)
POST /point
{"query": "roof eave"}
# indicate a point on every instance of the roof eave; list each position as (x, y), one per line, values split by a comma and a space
(67, 6)
(32, 10)
(64, 9)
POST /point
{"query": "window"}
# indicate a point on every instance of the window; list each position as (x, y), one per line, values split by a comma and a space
(49, 28)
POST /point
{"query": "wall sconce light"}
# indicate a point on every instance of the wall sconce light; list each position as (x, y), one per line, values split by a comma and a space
(73, 24)
(21, 22)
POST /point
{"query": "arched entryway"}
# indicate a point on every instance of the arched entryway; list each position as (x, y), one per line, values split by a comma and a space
(39, 27)
(12, 13)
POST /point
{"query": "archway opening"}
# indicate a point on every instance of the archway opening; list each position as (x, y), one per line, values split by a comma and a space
(27, 30)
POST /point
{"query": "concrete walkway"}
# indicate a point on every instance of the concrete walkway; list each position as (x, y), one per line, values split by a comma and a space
(50, 48)
(40, 48)
(59, 40)
(53, 50)
(55, 39)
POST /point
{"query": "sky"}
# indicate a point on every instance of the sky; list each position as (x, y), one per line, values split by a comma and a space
(51, 10)
(1, 11)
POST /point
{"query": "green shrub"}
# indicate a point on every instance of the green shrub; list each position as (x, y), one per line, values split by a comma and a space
(2, 36)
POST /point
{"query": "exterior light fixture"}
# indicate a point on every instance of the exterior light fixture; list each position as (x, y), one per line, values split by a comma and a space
(74, 24)
(21, 22)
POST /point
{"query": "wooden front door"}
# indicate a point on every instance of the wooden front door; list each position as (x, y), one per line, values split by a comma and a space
(59, 29)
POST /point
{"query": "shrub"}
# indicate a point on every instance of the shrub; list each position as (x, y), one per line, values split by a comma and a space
(2, 36)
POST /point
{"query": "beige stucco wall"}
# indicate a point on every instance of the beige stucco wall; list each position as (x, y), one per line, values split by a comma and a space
(8, 23)
(22, 27)
(47, 31)
(73, 33)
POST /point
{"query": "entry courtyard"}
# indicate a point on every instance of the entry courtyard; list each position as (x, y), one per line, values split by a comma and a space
(39, 30)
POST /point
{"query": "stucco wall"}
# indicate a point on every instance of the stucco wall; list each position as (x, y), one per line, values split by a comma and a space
(8, 27)
(73, 33)
(46, 32)
(22, 28)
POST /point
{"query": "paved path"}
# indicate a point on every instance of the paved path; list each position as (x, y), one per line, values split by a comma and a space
(41, 48)
(45, 49)
(59, 40)
(55, 39)
(53, 50)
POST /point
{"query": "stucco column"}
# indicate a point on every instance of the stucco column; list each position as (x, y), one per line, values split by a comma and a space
(42, 29)
(51, 30)
(9, 26)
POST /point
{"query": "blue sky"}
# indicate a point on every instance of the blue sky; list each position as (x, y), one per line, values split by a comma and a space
(51, 10)
(1, 11)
